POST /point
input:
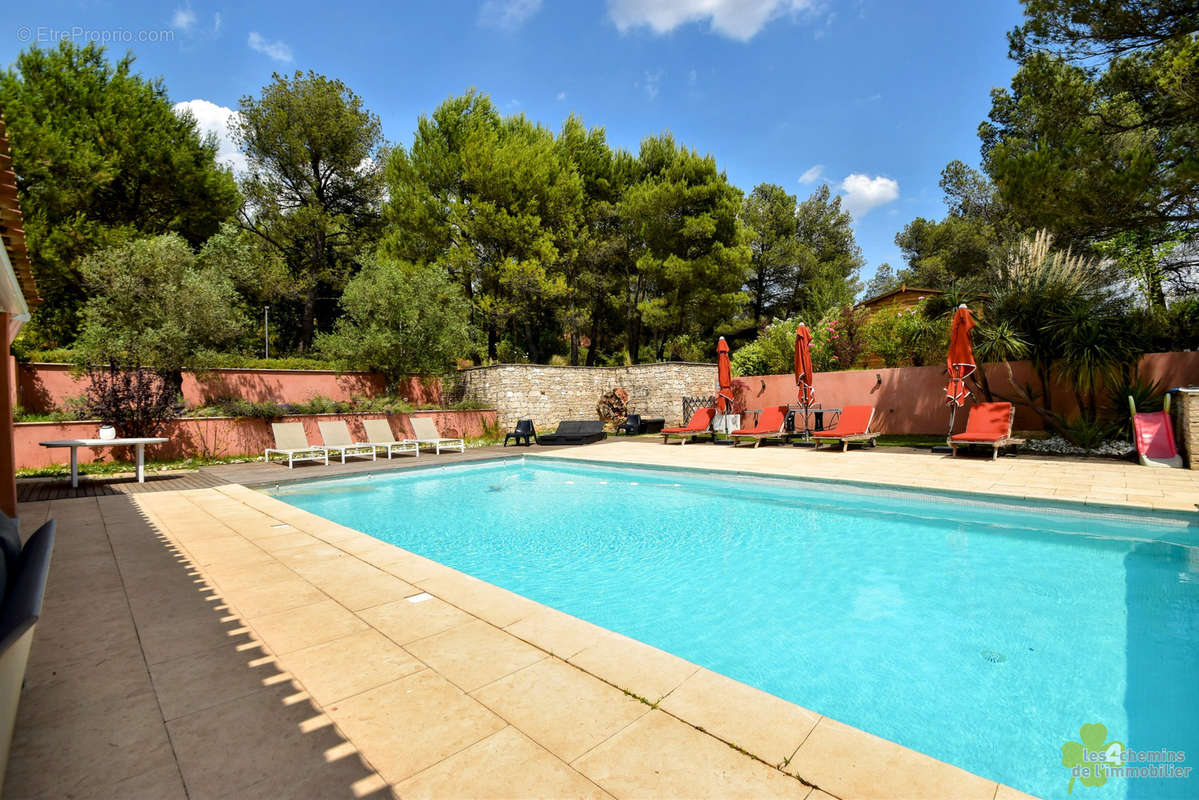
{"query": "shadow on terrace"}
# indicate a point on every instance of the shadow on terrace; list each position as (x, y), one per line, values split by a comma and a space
(142, 683)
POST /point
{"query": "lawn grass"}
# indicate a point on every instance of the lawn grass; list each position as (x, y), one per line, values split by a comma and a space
(120, 467)
(911, 440)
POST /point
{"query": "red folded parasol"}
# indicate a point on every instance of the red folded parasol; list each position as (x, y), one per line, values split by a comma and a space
(724, 378)
(803, 365)
(960, 361)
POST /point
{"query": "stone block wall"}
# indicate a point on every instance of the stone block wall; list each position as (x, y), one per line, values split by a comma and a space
(550, 394)
(1187, 427)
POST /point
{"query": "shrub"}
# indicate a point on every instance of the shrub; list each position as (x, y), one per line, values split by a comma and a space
(508, 353)
(772, 353)
(837, 339)
(400, 318)
(137, 401)
(750, 359)
(1148, 396)
(904, 336)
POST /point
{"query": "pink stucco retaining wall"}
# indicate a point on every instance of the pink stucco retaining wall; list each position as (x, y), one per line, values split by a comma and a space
(44, 387)
(222, 436)
(912, 399)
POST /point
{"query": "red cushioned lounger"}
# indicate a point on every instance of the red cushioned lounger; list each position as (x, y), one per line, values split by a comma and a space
(988, 423)
(852, 426)
(770, 425)
(700, 423)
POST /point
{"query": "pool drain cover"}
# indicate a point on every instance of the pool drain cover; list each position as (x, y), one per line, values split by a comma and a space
(993, 656)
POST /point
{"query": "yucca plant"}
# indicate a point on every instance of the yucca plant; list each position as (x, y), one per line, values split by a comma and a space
(1059, 310)
(1147, 395)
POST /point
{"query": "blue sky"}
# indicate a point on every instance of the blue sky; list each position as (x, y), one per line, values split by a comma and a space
(871, 97)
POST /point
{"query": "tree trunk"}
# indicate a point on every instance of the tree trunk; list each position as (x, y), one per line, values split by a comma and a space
(594, 346)
(759, 302)
(634, 342)
(307, 321)
(534, 348)
(1157, 292)
(1046, 389)
(173, 378)
(492, 341)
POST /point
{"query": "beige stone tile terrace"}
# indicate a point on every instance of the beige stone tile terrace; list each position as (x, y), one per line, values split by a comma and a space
(227, 644)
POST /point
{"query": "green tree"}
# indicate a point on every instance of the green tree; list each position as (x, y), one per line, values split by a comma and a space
(101, 158)
(769, 213)
(400, 318)
(601, 250)
(940, 254)
(957, 250)
(805, 258)
(495, 202)
(691, 256)
(259, 275)
(313, 186)
(1097, 135)
(152, 303)
(827, 275)
(884, 280)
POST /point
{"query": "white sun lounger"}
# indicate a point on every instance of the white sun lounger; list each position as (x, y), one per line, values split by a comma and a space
(336, 434)
(378, 433)
(427, 433)
(291, 441)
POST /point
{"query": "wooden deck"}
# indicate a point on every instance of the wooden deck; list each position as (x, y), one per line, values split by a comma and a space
(31, 490)
(254, 473)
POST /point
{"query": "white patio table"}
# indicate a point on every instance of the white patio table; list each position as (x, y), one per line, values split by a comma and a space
(138, 444)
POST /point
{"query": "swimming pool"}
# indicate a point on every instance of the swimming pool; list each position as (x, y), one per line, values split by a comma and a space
(982, 633)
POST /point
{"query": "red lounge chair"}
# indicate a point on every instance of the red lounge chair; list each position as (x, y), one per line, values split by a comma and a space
(852, 426)
(700, 423)
(988, 423)
(770, 424)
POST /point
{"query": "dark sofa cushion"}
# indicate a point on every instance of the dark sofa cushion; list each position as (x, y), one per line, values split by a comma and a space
(10, 546)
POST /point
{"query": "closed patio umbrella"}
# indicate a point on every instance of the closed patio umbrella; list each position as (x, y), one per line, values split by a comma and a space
(960, 361)
(803, 369)
(724, 379)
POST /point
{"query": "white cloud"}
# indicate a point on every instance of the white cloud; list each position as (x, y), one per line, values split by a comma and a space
(507, 15)
(736, 19)
(211, 118)
(561, 96)
(276, 50)
(653, 83)
(812, 174)
(184, 19)
(862, 193)
(216, 22)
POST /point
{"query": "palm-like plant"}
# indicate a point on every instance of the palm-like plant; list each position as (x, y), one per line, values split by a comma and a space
(1059, 310)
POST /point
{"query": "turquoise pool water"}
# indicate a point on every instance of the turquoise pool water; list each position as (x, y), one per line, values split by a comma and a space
(981, 634)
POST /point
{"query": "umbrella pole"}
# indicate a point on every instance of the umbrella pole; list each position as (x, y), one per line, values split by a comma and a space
(945, 448)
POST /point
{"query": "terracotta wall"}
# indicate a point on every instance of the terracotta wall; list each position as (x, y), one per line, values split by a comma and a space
(44, 387)
(221, 436)
(912, 399)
